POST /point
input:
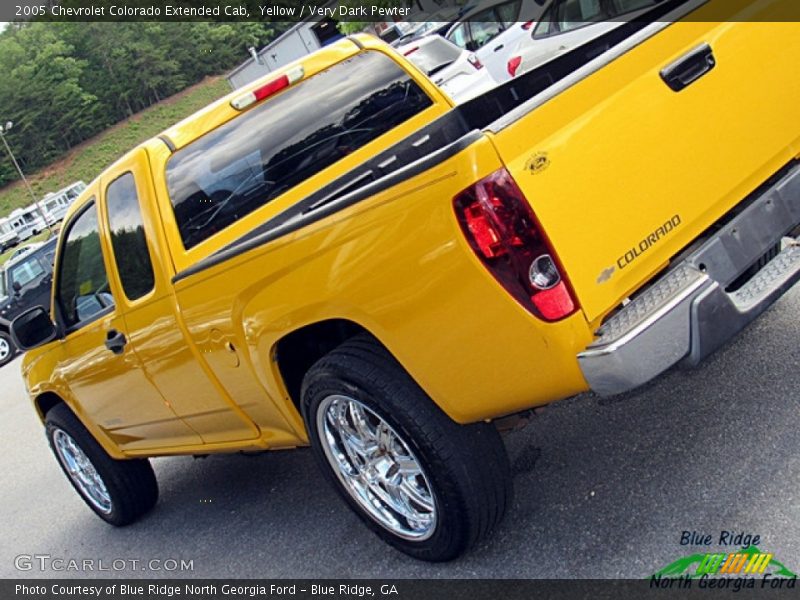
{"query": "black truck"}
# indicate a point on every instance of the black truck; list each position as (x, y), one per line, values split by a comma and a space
(25, 282)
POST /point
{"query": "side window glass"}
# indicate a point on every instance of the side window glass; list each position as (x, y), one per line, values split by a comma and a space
(509, 12)
(128, 238)
(460, 35)
(621, 7)
(483, 27)
(574, 14)
(83, 289)
(483, 32)
(546, 25)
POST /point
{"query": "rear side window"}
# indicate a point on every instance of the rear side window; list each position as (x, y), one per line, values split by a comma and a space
(509, 12)
(127, 237)
(483, 32)
(459, 35)
(546, 25)
(621, 7)
(240, 166)
(573, 14)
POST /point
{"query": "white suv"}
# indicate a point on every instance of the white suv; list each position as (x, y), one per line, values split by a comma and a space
(458, 72)
(493, 29)
(567, 24)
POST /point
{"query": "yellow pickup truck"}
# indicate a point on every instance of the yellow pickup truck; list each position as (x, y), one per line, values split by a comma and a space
(339, 256)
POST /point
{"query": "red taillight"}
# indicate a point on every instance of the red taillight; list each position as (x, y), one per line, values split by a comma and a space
(269, 88)
(502, 230)
(513, 64)
(414, 49)
(473, 60)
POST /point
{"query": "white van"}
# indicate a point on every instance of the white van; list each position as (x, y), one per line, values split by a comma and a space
(27, 222)
(55, 204)
(8, 237)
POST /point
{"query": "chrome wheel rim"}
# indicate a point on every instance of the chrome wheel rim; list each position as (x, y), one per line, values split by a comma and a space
(377, 468)
(81, 471)
(5, 348)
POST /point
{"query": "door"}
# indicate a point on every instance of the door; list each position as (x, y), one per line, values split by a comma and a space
(494, 54)
(174, 366)
(99, 366)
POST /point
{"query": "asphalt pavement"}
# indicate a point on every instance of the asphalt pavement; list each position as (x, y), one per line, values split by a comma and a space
(604, 488)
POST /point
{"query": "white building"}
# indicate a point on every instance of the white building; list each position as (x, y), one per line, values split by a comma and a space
(298, 41)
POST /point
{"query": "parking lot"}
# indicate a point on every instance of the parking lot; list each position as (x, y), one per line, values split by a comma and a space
(604, 488)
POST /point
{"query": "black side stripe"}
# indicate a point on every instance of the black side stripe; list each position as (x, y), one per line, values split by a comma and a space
(295, 218)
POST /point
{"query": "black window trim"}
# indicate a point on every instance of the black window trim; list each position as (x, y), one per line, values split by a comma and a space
(59, 316)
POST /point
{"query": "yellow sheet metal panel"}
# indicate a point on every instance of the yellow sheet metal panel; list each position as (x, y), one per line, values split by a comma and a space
(398, 265)
(635, 171)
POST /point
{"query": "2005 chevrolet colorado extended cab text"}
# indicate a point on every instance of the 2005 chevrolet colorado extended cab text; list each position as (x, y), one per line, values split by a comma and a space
(339, 256)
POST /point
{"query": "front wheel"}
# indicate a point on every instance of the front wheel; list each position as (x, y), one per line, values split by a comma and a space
(118, 491)
(7, 348)
(428, 486)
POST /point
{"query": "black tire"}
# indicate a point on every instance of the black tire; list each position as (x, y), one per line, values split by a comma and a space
(7, 356)
(466, 466)
(131, 484)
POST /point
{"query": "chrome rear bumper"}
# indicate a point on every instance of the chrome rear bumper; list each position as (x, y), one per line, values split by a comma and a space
(688, 314)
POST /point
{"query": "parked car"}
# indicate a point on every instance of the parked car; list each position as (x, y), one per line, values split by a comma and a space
(394, 279)
(438, 23)
(492, 31)
(22, 250)
(456, 71)
(567, 24)
(26, 282)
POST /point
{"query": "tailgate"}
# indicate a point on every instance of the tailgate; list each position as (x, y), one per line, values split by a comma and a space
(623, 172)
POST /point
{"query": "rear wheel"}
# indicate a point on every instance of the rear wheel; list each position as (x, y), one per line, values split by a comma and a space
(428, 486)
(118, 491)
(7, 348)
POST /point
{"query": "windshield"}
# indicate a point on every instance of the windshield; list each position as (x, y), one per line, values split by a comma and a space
(434, 55)
(26, 271)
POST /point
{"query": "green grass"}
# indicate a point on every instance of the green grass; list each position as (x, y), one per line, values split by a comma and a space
(39, 237)
(86, 161)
